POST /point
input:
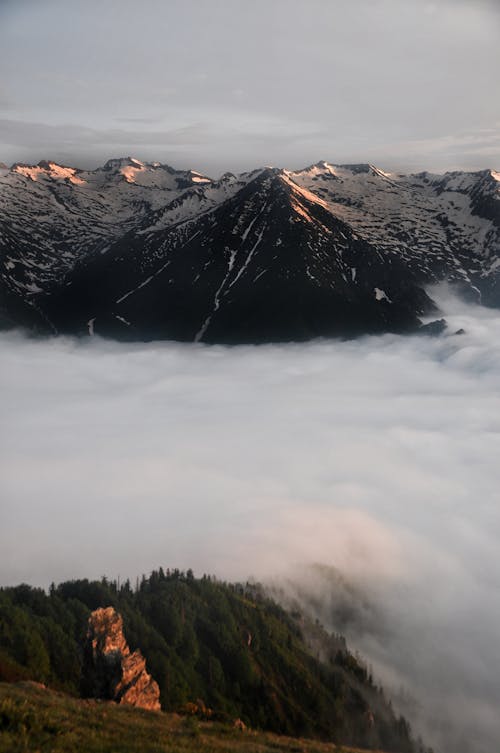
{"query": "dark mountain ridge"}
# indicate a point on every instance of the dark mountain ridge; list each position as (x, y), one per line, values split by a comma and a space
(142, 251)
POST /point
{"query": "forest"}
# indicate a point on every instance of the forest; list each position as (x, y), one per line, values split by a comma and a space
(217, 649)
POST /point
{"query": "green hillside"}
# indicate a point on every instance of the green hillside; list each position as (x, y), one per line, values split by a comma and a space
(38, 719)
(209, 645)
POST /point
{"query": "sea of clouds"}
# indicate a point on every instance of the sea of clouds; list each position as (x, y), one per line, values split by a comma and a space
(377, 459)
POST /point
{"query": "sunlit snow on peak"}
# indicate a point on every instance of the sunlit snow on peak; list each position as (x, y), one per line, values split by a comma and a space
(197, 177)
(130, 172)
(48, 170)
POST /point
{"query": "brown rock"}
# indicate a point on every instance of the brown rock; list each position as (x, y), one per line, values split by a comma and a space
(110, 670)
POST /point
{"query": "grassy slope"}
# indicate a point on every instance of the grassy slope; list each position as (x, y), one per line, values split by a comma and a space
(37, 720)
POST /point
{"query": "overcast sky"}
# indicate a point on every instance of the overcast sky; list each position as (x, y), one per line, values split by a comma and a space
(232, 84)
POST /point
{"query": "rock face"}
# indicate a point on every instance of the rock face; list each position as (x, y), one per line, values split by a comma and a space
(110, 670)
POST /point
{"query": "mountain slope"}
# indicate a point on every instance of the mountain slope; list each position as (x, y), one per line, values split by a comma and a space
(227, 644)
(440, 225)
(142, 251)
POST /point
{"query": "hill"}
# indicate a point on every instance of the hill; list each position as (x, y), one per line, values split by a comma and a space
(209, 645)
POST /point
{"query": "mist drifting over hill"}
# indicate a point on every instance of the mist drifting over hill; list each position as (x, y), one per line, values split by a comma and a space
(376, 457)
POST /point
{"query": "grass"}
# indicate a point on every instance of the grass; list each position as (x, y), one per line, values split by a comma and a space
(34, 719)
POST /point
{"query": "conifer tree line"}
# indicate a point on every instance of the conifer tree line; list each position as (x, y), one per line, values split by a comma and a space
(210, 645)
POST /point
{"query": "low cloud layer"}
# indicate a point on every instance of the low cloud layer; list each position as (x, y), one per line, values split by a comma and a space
(377, 457)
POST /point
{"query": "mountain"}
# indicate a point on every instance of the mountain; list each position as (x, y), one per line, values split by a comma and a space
(217, 650)
(141, 251)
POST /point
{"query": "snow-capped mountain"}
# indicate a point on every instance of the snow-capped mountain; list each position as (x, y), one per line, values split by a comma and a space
(140, 250)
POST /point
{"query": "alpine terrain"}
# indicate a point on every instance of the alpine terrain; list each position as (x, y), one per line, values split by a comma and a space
(141, 251)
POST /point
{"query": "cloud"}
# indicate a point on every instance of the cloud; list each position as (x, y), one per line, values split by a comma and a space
(377, 458)
(461, 150)
(43, 135)
(194, 140)
(262, 134)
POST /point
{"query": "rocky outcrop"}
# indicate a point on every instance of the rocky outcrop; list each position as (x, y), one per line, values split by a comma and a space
(110, 670)
(435, 328)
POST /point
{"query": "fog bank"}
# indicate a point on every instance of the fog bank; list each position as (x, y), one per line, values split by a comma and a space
(376, 457)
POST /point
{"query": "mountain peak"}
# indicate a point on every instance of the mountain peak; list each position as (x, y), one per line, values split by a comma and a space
(322, 164)
(321, 168)
(116, 163)
(48, 169)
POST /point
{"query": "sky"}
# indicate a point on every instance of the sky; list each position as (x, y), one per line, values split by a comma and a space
(231, 84)
(376, 457)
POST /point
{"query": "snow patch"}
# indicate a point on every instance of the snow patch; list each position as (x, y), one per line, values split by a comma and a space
(381, 295)
(201, 332)
(122, 319)
(130, 172)
(134, 290)
(249, 258)
(32, 287)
